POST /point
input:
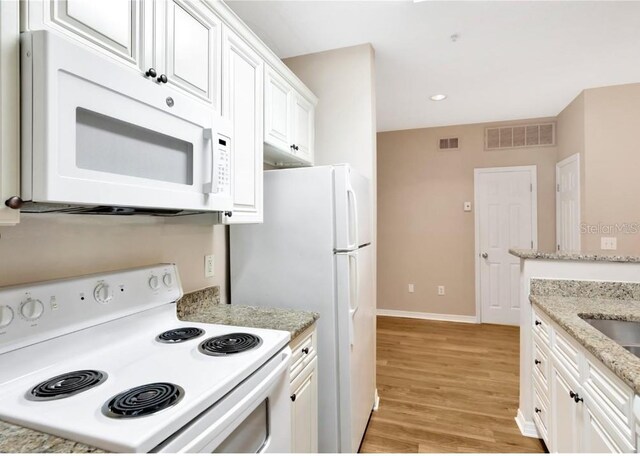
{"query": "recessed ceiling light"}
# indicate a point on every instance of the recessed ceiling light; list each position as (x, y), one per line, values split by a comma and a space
(438, 97)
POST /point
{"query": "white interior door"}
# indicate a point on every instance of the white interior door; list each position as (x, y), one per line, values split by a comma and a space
(505, 218)
(568, 204)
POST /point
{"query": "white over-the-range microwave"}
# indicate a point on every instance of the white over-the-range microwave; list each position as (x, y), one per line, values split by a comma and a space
(99, 137)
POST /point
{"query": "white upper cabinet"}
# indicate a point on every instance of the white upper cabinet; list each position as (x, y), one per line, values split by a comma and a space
(277, 110)
(192, 50)
(303, 129)
(9, 111)
(243, 105)
(289, 123)
(113, 27)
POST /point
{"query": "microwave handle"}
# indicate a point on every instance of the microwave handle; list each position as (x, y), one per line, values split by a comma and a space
(211, 187)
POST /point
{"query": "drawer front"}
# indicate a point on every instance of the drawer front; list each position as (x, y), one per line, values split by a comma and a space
(541, 416)
(567, 354)
(541, 367)
(541, 328)
(612, 397)
(304, 349)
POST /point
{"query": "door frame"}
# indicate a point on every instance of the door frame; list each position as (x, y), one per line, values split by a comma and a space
(533, 171)
(573, 158)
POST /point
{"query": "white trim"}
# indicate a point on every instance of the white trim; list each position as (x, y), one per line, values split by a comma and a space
(527, 428)
(533, 169)
(427, 316)
(575, 157)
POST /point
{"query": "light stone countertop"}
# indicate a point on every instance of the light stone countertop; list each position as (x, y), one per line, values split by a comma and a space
(201, 306)
(528, 254)
(566, 312)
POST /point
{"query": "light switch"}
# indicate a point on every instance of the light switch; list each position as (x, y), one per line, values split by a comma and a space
(467, 206)
(209, 269)
(411, 289)
(608, 243)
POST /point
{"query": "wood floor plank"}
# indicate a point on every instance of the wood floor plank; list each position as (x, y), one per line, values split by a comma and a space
(446, 388)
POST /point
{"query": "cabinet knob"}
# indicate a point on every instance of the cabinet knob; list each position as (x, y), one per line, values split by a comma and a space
(151, 73)
(293, 397)
(538, 322)
(292, 146)
(537, 410)
(537, 361)
(578, 399)
(162, 79)
(228, 213)
(15, 202)
(305, 350)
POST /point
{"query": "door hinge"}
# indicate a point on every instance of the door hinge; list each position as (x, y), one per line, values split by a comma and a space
(557, 187)
(531, 244)
(558, 247)
(531, 188)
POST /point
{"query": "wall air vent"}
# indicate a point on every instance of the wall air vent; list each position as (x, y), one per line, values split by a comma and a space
(448, 144)
(517, 136)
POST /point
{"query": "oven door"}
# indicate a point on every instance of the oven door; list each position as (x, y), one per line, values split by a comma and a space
(97, 133)
(253, 418)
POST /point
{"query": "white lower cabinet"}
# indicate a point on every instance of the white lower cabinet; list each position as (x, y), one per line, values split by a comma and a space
(304, 393)
(590, 410)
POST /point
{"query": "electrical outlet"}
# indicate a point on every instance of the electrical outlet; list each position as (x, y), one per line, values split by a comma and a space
(608, 243)
(440, 290)
(411, 289)
(208, 266)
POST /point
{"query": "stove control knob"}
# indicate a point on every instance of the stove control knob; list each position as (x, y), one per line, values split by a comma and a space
(168, 280)
(6, 316)
(102, 293)
(32, 309)
(154, 282)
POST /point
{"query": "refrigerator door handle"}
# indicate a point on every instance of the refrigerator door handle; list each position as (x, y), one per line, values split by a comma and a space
(352, 208)
(354, 286)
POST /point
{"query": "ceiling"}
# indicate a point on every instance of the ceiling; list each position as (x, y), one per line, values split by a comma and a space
(512, 60)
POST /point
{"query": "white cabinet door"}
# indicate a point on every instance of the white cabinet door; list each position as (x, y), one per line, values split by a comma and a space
(243, 105)
(277, 114)
(596, 438)
(192, 50)
(302, 128)
(566, 419)
(113, 27)
(9, 110)
(304, 410)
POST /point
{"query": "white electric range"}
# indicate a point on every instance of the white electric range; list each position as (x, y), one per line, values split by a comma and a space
(103, 360)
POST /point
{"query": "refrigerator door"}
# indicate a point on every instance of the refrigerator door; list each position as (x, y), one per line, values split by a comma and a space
(288, 262)
(357, 343)
(353, 208)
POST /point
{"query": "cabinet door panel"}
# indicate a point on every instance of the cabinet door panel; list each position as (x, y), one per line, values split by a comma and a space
(277, 111)
(565, 414)
(112, 25)
(304, 411)
(303, 128)
(596, 437)
(193, 49)
(244, 106)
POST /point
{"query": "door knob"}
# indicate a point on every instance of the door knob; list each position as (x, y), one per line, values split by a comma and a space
(485, 255)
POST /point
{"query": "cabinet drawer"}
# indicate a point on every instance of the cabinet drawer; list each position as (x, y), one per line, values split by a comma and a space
(541, 367)
(541, 328)
(541, 415)
(304, 349)
(612, 397)
(567, 354)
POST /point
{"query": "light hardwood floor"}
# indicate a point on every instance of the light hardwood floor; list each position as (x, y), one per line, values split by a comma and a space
(446, 388)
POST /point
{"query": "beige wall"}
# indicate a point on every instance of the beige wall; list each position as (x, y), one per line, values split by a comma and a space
(601, 125)
(44, 247)
(424, 236)
(343, 80)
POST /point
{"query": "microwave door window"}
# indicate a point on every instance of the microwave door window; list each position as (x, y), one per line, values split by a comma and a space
(112, 146)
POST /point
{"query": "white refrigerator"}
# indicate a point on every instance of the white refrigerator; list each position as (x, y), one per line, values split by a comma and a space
(313, 252)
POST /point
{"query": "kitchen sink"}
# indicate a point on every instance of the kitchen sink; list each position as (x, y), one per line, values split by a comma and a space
(626, 333)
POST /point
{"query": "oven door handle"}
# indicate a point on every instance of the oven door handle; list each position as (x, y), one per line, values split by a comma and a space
(239, 411)
(211, 187)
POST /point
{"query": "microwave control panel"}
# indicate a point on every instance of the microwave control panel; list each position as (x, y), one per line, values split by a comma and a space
(223, 167)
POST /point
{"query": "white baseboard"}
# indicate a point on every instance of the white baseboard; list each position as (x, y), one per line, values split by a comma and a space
(427, 316)
(376, 402)
(527, 428)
